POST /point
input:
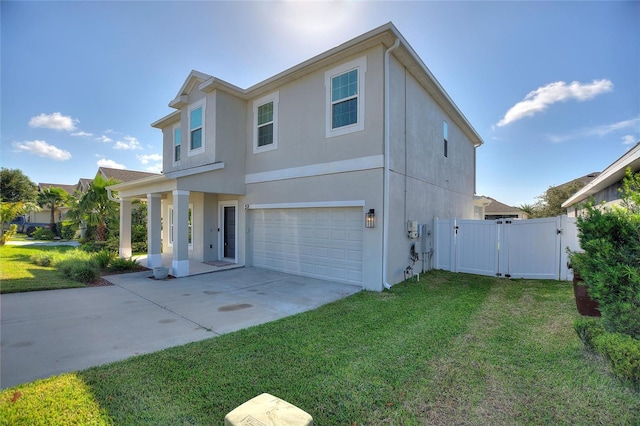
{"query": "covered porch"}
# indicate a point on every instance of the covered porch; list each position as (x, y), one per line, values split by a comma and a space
(184, 227)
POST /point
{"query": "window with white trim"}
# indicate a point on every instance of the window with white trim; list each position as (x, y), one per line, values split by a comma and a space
(177, 142)
(196, 127)
(189, 226)
(445, 132)
(345, 98)
(265, 123)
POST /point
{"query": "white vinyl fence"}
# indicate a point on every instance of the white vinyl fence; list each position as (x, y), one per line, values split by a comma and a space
(534, 248)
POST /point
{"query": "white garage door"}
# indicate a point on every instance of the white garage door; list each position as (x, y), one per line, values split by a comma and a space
(323, 243)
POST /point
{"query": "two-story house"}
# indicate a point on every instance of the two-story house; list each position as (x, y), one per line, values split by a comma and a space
(315, 171)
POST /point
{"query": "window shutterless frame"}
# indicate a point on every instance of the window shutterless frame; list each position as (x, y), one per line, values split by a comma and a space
(177, 142)
(196, 127)
(345, 94)
(265, 123)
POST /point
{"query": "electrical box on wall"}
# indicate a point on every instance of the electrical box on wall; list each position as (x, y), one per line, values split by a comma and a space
(412, 229)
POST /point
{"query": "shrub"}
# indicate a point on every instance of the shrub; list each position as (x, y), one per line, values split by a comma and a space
(43, 234)
(68, 232)
(8, 234)
(623, 353)
(81, 270)
(588, 329)
(139, 247)
(121, 264)
(103, 258)
(42, 259)
(94, 246)
(610, 261)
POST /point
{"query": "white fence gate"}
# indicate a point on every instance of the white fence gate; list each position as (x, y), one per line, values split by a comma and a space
(535, 248)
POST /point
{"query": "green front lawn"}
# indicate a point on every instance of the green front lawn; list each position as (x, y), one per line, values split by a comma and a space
(19, 273)
(452, 349)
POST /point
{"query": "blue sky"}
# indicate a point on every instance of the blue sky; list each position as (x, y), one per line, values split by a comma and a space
(553, 88)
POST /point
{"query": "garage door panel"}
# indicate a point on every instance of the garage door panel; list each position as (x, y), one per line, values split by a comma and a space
(318, 242)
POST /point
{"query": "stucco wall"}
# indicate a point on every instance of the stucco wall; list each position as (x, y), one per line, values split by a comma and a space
(301, 125)
(423, 182)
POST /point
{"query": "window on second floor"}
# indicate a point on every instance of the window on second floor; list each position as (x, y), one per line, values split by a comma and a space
(345, 98)
(445, 131)
(265, 123)
(177, 142)
(196, 127)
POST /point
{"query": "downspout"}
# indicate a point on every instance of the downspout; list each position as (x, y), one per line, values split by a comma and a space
(111, 197)
(387, 136)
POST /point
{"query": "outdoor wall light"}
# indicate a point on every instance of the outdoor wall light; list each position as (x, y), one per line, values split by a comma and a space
(370, 219)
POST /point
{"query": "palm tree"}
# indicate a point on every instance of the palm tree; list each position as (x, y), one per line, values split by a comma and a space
(52, 197)
(96, 208)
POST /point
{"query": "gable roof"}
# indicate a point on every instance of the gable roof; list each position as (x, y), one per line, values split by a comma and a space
(122, 175)
(385, 35)
(609, 176)
(498, 207)
(69, 189)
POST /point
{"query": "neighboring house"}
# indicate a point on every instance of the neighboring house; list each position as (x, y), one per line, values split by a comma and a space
(315, 171)
(497, 210)
(480, 203)
(44, 215)
(604, 188)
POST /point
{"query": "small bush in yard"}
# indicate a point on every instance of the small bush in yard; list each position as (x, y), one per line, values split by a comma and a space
(43, 234)
(42, 259)
(623, 352)
(81, 270)
(120, 264)
(104, 257)
(68, 232)
(588, 329)
(8, 234)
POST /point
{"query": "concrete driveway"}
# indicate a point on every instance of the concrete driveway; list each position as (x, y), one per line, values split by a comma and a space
(51, 332)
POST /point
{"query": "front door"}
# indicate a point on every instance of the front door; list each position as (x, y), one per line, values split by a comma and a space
(229, 232)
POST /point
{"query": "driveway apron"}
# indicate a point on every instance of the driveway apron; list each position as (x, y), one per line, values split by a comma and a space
(52, 332)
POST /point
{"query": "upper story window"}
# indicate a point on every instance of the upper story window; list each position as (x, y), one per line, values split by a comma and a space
(196, 127)
(445, 132)
(265, 123)
(345, 98)
(177, 142)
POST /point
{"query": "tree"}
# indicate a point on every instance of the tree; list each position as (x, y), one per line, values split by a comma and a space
(52, 198)
(529, 209)
(15, 187)
(549, 204)
(96, 208)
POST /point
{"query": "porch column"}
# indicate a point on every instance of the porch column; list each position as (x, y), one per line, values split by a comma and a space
(154, 231)
(180, 262)
(125, 228)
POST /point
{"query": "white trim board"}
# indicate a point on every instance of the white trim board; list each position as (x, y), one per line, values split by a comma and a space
(309, 204)
(342, 166)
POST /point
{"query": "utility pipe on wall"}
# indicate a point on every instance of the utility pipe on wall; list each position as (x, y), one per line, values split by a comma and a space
(387, 137)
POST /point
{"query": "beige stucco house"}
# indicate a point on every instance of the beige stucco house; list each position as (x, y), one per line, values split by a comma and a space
(603, 189)
(315, 171)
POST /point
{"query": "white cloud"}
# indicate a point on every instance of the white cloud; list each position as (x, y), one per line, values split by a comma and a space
(54, 121)
(81, 133)
(42, 149)
(129, 143)
(629, 139)
(559, 91)
(155, 168)
(104, 139)
(103, 162)
(146, 159)
(600, 131)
